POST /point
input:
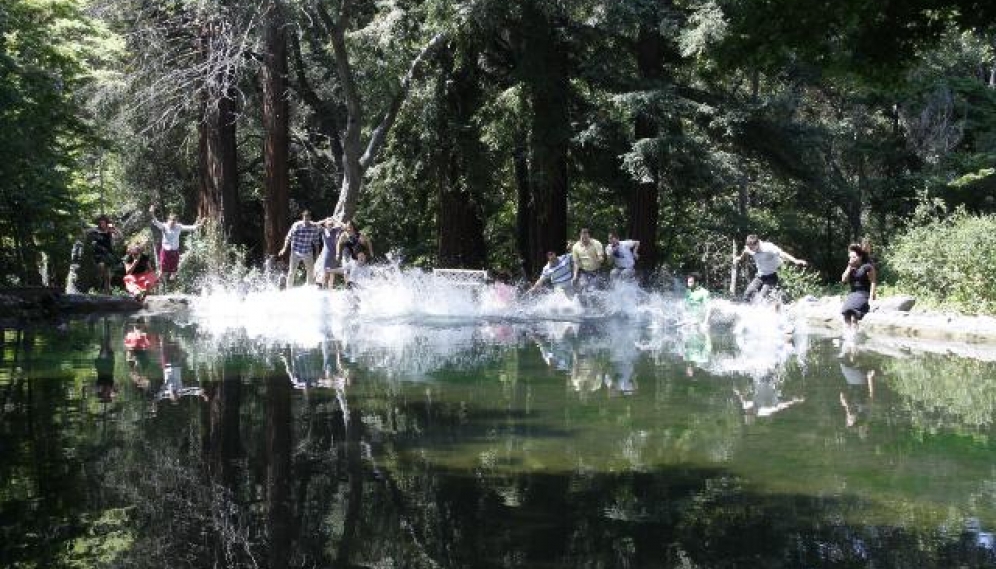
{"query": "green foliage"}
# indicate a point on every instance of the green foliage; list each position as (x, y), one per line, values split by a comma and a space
(44, 48)
(797, 282)
(209, 258)
(948, 260)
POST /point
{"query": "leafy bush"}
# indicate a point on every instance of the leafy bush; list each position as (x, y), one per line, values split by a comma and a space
(948, 260)
(798, 282)
(209, 257)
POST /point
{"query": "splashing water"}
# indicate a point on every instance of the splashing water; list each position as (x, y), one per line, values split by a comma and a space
(405, 321)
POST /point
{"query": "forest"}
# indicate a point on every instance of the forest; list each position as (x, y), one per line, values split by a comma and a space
(481, 133)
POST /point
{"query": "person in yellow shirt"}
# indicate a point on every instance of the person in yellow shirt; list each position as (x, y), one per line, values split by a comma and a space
(588, 256)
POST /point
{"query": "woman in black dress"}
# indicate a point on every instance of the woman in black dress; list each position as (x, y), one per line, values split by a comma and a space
(860, 275)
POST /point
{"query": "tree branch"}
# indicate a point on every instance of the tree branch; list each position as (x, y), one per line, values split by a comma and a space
(379, 134)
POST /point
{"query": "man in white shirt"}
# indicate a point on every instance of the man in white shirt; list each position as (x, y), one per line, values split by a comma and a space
(768, 258)
(169, 252)
(624, 255)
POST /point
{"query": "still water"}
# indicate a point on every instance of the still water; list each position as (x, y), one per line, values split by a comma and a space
(302, 429)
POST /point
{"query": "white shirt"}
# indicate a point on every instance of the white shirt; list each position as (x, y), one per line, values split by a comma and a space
(622, 254)
(768, 258)
(171, 235)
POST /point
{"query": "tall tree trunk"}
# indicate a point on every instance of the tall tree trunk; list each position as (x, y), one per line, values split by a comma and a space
(460, 225)
(326, 112)
(355, 473)
(357, 156)
(545, 70)
(219, 185)
(222, 440)
(644, 210)
(275, 125)
(278, 470)
(523, 210)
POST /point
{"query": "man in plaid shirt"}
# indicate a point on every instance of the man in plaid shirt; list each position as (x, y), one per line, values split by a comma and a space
(303, 238)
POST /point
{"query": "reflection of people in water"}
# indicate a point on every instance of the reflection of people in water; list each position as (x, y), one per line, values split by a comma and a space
(300, 368)
(171, 358)
(765, 397)
(856, 398)
(696, 349)
(622, 360)
(335, 375)
(556, 349)
(137, 344)
(104, 364)
(586, 373)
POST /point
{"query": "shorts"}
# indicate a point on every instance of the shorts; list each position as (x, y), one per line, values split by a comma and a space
(168, 261)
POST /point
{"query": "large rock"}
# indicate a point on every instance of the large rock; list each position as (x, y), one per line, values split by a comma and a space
(893, 316)
(893, 304)
(167, 303)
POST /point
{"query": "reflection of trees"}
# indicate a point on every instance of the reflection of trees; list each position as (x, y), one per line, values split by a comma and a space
(495, 465)
(943, 393)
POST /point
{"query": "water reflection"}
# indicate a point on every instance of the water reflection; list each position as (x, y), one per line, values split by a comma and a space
(104, 365)
(495, 442)
(859, 389)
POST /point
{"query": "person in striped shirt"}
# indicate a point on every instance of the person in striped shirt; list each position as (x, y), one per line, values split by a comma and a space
(557, 272)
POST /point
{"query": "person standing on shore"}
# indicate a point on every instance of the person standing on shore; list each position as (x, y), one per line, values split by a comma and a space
(169, 250)
(556, 271)
(329, 265)
(351, 243)
(101, 240)
(697, 305)
(139, 277)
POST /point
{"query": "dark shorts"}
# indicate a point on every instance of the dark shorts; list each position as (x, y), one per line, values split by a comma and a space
(761, 285)
(168, 261)
(104, 257)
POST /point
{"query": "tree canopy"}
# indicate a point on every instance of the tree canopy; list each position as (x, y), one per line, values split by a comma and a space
(483, 133)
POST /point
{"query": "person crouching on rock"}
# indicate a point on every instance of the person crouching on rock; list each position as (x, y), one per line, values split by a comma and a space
(139, 276)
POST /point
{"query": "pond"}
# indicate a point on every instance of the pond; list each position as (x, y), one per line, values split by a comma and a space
(304, 429)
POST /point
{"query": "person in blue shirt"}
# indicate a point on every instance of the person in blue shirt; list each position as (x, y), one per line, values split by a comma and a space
(557, 271)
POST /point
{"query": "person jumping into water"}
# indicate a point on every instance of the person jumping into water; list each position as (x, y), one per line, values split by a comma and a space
(557, 272)
(768, 258)
(169, 250)
(587, 254)
(860, 275)
(624, 255)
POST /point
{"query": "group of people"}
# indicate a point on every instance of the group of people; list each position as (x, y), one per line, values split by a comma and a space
(580, 267)
(341, 248)
(139, 274)
(344, 251)
(859, 274)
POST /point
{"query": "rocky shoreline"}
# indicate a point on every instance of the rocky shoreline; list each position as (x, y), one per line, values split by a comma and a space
(895, 327)
(31, 304)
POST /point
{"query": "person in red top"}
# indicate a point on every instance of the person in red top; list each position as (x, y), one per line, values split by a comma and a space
(139, 276)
